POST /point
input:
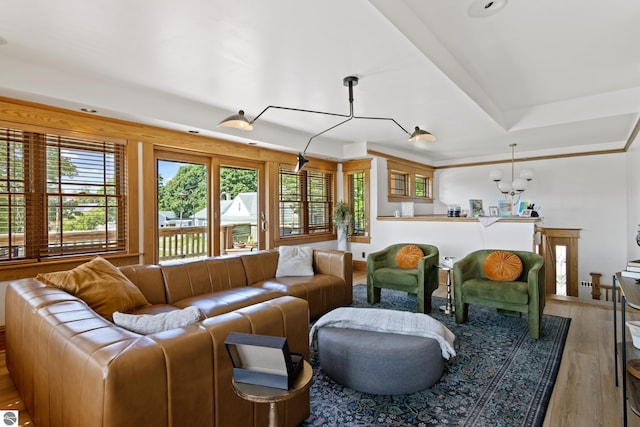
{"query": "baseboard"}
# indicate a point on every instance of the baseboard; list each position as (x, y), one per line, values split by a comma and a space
(359, 265)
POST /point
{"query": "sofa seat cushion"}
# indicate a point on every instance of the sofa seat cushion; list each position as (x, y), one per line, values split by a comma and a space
(228, 300)
(319, 290)
(512, 292)
(397, 276)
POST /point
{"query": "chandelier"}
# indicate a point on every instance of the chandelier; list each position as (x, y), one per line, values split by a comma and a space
(240, 121)
(513, 189)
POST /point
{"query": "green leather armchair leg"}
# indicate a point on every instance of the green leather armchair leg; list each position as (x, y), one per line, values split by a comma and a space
(383, 272)
(525, 295)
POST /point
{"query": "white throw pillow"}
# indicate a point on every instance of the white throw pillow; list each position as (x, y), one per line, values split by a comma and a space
(295, 261)
(151, 323)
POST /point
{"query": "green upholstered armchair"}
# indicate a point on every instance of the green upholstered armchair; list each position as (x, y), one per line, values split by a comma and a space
(383, 272)
(525, 295)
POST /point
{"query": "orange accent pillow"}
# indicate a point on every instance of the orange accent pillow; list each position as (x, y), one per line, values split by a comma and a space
(408, 256)
(100, 284)
(502, 266)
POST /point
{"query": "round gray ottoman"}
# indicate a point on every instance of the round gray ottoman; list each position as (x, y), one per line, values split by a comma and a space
(379, 362)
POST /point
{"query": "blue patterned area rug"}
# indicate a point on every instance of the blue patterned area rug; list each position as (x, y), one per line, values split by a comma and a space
(500, 376)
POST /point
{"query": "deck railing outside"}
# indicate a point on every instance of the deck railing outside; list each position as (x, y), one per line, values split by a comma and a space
(174, 243)
(182, 243)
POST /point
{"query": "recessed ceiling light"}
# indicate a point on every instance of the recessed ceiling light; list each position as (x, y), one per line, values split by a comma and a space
(483, 8)
(195, 132)
(89, 110)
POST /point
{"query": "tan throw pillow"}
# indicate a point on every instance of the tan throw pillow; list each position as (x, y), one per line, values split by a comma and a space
(502, 266)
(100, 284)
(408, 256)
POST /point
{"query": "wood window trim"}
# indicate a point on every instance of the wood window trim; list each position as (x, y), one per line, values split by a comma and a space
(275, 238)
(410, 170)
(357, 166)
(43, 148)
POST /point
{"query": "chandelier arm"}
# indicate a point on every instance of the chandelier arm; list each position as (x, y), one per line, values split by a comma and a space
(297, 109)
(325, 131)
(384, 118)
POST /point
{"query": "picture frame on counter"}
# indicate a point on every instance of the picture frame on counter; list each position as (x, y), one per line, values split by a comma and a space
(504, 208)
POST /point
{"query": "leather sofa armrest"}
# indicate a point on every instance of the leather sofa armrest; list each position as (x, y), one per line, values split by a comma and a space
(334, 263)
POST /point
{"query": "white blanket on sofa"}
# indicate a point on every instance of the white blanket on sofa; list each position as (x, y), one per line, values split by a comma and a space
(390, 321)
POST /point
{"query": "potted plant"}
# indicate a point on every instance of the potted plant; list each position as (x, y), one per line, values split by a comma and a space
(343, 221)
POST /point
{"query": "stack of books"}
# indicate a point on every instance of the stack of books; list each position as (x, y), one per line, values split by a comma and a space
(632, 270)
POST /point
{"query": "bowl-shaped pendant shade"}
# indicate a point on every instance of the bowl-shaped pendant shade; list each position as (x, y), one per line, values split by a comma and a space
(496, 175)
(301, 162)
(519, 184)
(237, 121)
(421, 135)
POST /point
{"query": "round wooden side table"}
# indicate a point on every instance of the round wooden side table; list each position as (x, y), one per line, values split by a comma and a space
(270, 395)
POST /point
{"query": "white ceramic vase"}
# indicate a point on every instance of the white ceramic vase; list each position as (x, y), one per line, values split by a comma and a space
(342, 238)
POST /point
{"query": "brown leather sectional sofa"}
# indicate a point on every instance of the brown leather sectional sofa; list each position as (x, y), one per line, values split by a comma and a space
(72, 367)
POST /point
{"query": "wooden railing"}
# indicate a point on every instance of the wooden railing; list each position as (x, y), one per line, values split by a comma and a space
(182, 242)
(75, 242)
(597, 288)
(173, 242)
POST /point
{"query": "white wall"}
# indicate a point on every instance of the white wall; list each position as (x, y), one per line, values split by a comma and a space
(589, 193)
(633, 192)
(597, 194)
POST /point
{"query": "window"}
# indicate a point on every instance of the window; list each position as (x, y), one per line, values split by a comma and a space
(356, 195)
(422, 186)
(398, 183)
(409, 181)
(60, 195)
(305, 202)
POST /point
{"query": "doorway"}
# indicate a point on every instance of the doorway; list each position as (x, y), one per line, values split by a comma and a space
(242, 215)
(560, 251)
(182, 197)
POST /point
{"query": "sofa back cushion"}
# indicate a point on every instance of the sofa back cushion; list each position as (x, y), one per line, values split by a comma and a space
(260, 266)
(226, 273)
(148, 278)
(189, 279)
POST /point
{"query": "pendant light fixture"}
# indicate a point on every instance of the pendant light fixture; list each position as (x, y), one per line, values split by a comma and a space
(513, 189)
(240, 121)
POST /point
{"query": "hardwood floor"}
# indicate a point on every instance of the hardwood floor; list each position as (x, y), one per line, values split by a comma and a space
(585, 394)
(9, 398)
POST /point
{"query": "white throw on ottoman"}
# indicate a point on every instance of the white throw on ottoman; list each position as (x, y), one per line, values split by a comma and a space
(382, 351)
